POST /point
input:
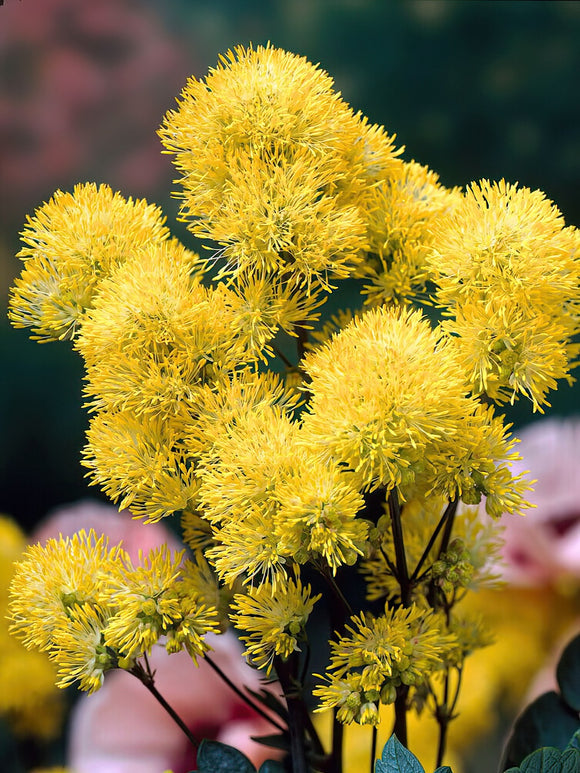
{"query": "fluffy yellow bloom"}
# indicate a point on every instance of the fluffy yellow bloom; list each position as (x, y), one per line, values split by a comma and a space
(508, 272)
(29, 701)
(79, 649)
(273, 621)
(402, 212)
(383, 390)
(275, 166)
(72, 243)
(53, 580)
(142, 463)
(151, 601)
(318, 504)
(378, 654)
(156, 334)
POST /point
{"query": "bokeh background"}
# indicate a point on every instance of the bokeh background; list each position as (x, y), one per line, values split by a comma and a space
(472, 88)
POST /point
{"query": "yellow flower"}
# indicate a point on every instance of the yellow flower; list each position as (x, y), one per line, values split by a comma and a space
(275, 167)
(155, 335)
(72, 243)
(317, 514)
(80, 653)
(51, 581)
(508, 273)
(142, 463)
(383, 389)
(377, 655)
(153, 601)
(402, 212)
(273, 620)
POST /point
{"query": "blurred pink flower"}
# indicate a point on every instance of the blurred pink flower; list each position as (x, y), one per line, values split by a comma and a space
(83, 88)
(122, 728)
(105, 519)
(543, 547)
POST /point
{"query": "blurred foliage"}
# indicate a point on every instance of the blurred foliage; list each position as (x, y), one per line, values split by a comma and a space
(473, 89)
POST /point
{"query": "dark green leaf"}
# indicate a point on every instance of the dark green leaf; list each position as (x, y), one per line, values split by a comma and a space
(215, 757)
(276, 741)
(545, 760)
(271, 766)
(575, 741)
(397, 759)
(444, 769)
(570, 761)
(548, 721)
(568, 674)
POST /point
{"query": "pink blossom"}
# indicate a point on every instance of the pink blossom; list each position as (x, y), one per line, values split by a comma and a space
(543, 547)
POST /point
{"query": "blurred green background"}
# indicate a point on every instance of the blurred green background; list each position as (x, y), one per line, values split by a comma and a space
(472, 89)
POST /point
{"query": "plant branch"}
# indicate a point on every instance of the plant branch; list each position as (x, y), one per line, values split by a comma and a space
(286, 671)
(399, 545)
(243, 696)
(447, 515)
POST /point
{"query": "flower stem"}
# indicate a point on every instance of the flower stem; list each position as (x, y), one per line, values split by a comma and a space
(243, 696)
(399, 545)
(286, 671)
(373, 748)
(400, 726)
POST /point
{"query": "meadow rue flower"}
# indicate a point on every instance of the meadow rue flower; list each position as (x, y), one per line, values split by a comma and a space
(273, 623)
(72, 242)
(507, 271)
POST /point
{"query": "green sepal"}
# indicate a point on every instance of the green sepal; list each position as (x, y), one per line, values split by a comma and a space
(568, 674)
(216, 757)
(397, 759)
(547, 721)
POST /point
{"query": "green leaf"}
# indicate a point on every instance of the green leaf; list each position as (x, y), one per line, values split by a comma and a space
(275, 741)
(568, 674)
(574, 741)
(397, 759)
(215, 757)
(571, 761)
(444, 769)
(547, 721)
(545, 760)
(271, 766)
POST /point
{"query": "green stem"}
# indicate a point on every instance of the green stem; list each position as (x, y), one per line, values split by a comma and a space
(448, 526)
(400, 726)
(445, 518)
(337, 741)
(374, 748)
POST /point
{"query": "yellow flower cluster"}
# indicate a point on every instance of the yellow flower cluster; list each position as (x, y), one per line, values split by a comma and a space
(378, 654)
(508, 275)
(366, 447)
(91, 610)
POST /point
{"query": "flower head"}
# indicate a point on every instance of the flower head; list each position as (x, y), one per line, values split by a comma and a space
(273, 623)
(72, 243)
